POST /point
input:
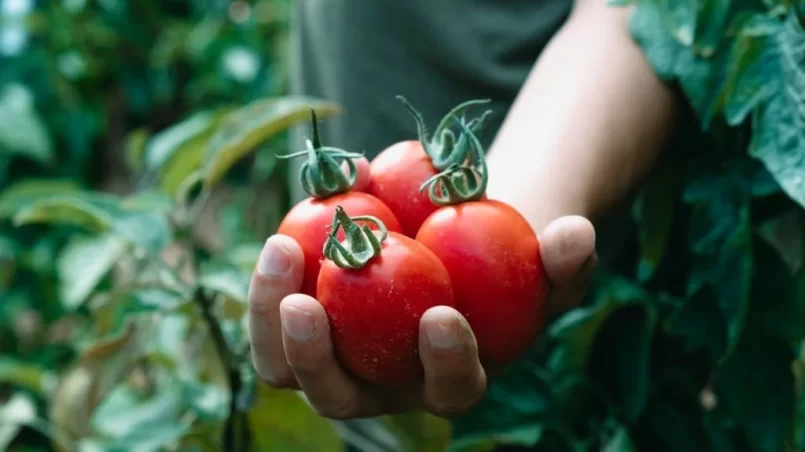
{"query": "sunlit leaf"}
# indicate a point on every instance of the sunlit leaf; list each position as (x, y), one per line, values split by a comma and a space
(282, 421)
(226, 279)
(248, 127)
(27, 375)
(161, 147)
(27, 191)
(82, 265)
(21, 129)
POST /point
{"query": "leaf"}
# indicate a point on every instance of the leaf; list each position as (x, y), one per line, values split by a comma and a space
(22, 132)
(511, 413)
(150, 200)
(282, 421)
(208, 401)
(135, 149)
(756, 385)
(83, 264)
(15, 413)
(619, 442)
(701, 324)
(625, 375)
(226, 279)
(27, 191)
(125, 420)
(27, 375)
(778, 138)
(720, 246)
(418, 431)
(101, 214)
(162, 146)
(248, 127)
(654, 212)
(780, 293)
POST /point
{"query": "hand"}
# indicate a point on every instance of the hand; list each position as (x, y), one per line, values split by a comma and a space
(291, 345)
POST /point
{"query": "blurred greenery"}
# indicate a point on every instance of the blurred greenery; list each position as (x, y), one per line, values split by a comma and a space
(138, 179)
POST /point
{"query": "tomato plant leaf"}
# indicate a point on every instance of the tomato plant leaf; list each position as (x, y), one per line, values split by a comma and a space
(82, 265)
(720, 245)
(225, 278)
(756, 386)
(99, 213)
(418, 431)
(248, 127)
(22, 132)
(162, 146)
(282, 421)
(17, 196)
(511, 413)
(779, 125)
(28, 376)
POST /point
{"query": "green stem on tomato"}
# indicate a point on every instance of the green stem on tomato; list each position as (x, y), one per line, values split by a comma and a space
(321, 175)
(362, 245)
(460, 182)
(444, 149)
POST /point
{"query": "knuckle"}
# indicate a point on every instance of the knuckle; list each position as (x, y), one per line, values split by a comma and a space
(338, 411)
(281, 380)
(259, 308)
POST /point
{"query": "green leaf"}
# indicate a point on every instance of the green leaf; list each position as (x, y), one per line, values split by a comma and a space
(27, 191)
(418, 431)
(654, 212)
(511, 413)
(162, 146)
(27, 375)
(126, 419)
(226, 279)
(150, 200)
(778, 138)
(756, 385)
(248, 127)
(83, 264)
(19, 410)
(701, 323)
(208, 401)
(282, 421)
(720, 246)
(100, 213)
(22, 132)
(619, 442)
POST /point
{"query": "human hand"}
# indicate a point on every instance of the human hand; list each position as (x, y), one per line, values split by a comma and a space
(292, 349)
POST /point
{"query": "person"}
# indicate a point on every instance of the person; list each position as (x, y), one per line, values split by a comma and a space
(581, 119)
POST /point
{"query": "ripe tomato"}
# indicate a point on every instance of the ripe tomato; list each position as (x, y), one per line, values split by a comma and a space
(374, 309)
(328, 176)
(398, 172)
(492, 255)
(308, 220)
(396, 175)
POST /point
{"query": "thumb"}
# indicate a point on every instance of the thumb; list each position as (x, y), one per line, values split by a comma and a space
(567, 248)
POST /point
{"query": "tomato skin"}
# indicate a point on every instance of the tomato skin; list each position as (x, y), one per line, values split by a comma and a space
(396, 175)
(493, 257)
(308, 221)
(374, 312)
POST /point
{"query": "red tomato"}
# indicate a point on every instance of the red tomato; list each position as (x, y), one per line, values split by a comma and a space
(396, 175)
(374, 311)
(307, 223)
(492, 255)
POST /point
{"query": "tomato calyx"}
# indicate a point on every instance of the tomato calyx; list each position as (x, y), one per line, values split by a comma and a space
(460, 182)
(361, 244)
(321, 175)
(444, 149)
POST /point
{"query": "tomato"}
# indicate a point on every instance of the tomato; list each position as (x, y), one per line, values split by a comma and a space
(396, 175)
(328, 176)
(308, 220)
(374, 309)
(398, 172)
(493, 257)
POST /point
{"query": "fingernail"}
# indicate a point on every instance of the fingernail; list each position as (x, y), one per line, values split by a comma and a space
(274, 260)
(297, 323)
(443, 333)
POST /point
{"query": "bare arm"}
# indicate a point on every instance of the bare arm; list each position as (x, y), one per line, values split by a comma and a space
(588, 124)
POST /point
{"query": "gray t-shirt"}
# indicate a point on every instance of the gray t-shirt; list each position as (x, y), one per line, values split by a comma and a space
(437, 53)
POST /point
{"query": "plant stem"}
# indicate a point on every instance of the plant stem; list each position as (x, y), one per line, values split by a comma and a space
(230, 437)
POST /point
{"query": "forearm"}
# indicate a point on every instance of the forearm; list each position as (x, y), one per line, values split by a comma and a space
(588, 124)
